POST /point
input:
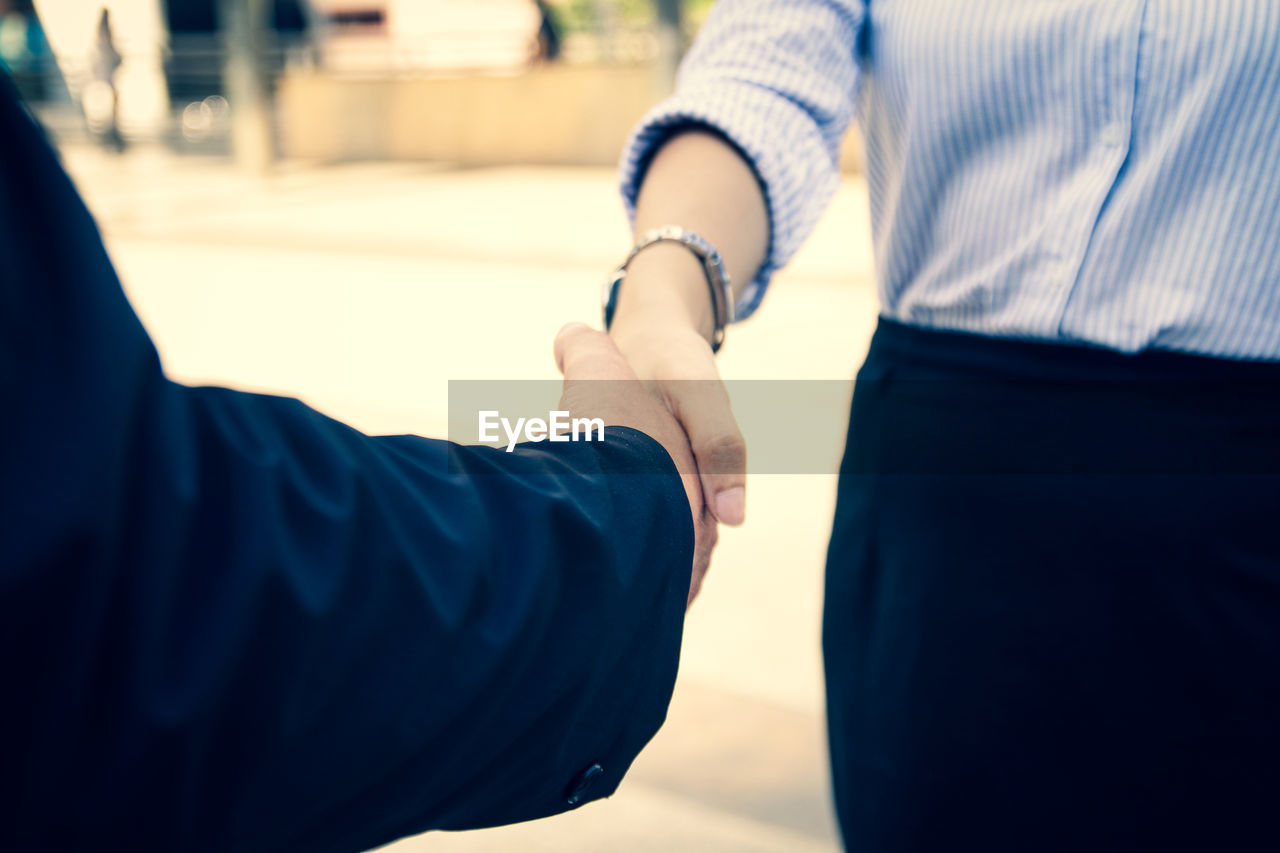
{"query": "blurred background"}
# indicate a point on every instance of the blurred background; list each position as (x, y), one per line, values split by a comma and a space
(356, 201)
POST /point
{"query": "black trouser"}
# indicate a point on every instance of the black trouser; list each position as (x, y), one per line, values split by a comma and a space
(1053, 600)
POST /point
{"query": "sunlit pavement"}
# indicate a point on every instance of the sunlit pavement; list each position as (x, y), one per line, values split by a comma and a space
(364, 288)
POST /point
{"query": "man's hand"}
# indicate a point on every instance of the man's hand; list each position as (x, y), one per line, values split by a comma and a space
(599, 383)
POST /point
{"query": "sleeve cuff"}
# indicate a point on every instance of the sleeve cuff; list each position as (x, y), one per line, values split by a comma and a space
(797, 169)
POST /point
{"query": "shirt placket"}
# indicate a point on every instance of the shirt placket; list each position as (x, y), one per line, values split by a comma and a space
(1111, 122)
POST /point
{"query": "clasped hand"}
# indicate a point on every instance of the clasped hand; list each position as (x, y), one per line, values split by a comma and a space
(679, 402)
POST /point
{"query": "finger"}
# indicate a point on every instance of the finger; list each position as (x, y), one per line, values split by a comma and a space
(582, 353)
(703, 409)
(695, 587)
(567, 332)
(705, 542)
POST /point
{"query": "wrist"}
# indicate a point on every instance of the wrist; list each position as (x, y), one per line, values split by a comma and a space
(658, 345)
(665, 287)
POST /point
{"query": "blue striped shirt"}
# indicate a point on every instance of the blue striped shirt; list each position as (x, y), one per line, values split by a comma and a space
(1097, 171)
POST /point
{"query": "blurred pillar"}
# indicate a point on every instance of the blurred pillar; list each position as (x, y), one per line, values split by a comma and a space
(670, 35)
(243, 24)
(316, 25)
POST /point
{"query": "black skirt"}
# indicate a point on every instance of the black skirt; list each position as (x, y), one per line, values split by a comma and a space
(1053, 600)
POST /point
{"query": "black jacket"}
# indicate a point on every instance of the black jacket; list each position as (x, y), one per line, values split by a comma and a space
(228, 622)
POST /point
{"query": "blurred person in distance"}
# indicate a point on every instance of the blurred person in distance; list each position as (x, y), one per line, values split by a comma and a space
(1071, 641)
(228, 622)
(101, 98)
(547, 42)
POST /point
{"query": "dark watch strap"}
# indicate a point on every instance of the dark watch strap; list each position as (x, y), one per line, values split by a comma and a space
(717, 276)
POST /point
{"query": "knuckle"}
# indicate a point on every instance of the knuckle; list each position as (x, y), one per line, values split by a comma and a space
(724, 452)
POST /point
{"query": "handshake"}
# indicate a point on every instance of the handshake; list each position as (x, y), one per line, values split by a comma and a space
(238, 624)
(688, 416)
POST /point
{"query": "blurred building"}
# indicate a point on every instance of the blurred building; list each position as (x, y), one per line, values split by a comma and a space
(408, 36)
(194, 65)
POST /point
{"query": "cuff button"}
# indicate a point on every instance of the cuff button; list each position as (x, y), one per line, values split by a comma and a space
(578, 790)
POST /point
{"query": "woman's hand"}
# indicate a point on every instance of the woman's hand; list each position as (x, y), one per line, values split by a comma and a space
(663, 321)
(676, 363)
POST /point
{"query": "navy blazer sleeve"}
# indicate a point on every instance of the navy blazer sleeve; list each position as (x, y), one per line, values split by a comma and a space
(230, 623)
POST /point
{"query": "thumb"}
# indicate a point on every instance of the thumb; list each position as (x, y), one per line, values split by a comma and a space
(704, 411)
(582, 353)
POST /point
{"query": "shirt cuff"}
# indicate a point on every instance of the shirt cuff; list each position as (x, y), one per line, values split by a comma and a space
(797, 169)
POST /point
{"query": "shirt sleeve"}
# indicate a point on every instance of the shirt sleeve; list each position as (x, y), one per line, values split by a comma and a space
(779, 80)
(230, 623)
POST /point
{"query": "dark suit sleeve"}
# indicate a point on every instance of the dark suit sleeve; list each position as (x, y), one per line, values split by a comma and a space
(228, 622)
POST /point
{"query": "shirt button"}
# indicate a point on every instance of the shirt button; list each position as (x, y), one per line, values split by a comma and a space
(582, 784)
(1112, 134)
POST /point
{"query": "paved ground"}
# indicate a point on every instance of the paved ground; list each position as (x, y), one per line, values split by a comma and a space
(363, 289)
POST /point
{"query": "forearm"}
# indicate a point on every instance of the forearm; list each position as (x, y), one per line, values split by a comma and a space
(303, 637)
(698, 181)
